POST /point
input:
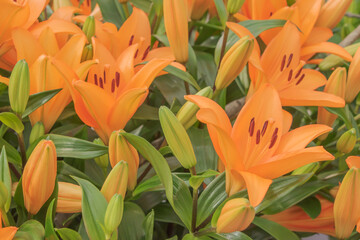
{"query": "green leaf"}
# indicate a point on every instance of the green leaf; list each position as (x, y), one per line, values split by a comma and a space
(311, 206)
(230, 236)
(131, 227)
(5, 176)
(213, 195)
(65, 170)
(165, 150)
(12, 121)
(30, 230)
(68, 234)
(258, 26)
(182, 75)
(156, 160)
(165, 213)
(149, 225)
(12, 154)
(49, 227)
(196, 181)
(151, 184)
(38, 99)
(222, 13)
(346, 116)
(191, 64)
(146, 112)
(112, 12)
(171, 88)
(274, 229)
(93, 209)
(182, 201)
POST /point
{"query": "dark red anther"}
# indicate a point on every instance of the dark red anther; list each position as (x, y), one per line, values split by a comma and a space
(104, 76)
(283, 63)
(289, 60)
(113, 85)
(252, 127)
(101, 82)
(136, 53)
(95, 79)
(117, 78)
(301, 78)
(258, 137)
(290, 75)
(131, 40)
(276, 131)
(88, 2)
(146, 53)
(298, 73)
(271, 13)
(273, 141)
(264, 127)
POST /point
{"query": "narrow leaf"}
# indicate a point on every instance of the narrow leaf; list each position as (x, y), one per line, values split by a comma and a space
(12, 121)
(38, 99)
(274, 229)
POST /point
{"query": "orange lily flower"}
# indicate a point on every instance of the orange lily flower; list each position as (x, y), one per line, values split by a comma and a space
(296, 219)
(281, 66)
(332, 12)
(43, 76)
(259, 147)
(85, 6)
(8, 233)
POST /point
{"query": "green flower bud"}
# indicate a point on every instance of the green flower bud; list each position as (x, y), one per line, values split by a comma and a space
(19, 87)
(37, 131)
(309, 168)
(186, 114)
(89, 27)
(3, 195)
(347, 141)
(102, 161)
(87, 53)
(332, 60)
(233, 6)
(177, 138)
(113, 214)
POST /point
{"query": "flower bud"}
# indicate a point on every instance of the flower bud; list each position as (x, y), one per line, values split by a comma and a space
(61, 3)
(347, 204)
(236, 215)
(38, 180)
(116, 181)
(353, 81)
(233, 6)
(102, 161)
(121, 149)
(123, 1)
(332, 12)
(233, 62)
(113, 214)
(89, 27)
(347, 141)
(87, 53)
(69, 198)
(199, 8)
(3, 195)
(176, 26)
(187, 113)
(37, 131)
(335, 85)
(19, 87)
(177, 138)
(332, 60)
(309, 168)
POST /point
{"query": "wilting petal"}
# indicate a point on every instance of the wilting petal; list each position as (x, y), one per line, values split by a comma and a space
(284, 163)
(256, 187)
(325, 47)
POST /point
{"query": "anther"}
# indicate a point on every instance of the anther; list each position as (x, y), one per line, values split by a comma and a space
(131, 40)
(117, 78)
(252, 127)
(104, 76)
(136, 53)
(289, 60)
(264, 127)
(146, 53)
(113, 85)
(283, 63)
(273, 141)
(101, 82)
(301, 78)
(258, 137)
(290, 75)
(298, 73)
(95, 79)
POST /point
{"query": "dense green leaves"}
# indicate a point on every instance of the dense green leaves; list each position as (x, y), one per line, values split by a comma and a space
(274, 229)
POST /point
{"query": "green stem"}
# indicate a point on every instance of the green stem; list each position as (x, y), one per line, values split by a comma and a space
(5, 218)
(223, 46)
(204, 232)
(187, 88)
(195, 202)
(126, 9)
(22, 148)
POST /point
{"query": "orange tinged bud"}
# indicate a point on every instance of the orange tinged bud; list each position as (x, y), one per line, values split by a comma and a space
(38, 180)
(353, 84)
(347, 205)
(236, 215)
(335, 85)
(332, 12)
(69, 198)
(233, 62)
(176, 25)
(116, 181)
(199, 8)
(121, 149)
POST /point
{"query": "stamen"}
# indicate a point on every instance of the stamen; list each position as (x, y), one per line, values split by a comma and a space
(264, 127)
(146, 53)
(290, 75)
(113, 85)
(136, 53)
(95, 79)
(289, 60)
(273, 141)
(251, 127)
(117, 78)
(131, 40)
(101, 82)
(298, 73)
(301, 78)
(271, 13)
(88, 2)
(104, 76)
(258, 137)
(283, 63)
(276, 131)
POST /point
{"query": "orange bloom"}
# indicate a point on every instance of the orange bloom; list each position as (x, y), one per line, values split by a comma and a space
(332, 12)
(38, 179)
(259, 147)
(69, 198)
(296, 219)
(85, 6)
(352, 84)
(281, 66)
(8, 233)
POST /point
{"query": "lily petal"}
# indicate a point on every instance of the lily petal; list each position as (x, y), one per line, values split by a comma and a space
(27, 46)
(353, 161)
(8, 233)
(318, 35)
(325, 47)
(256, 187)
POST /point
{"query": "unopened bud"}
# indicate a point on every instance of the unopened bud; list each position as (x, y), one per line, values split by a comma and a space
(19, 87)
(113, 214)
(37, 131)
(347, 141)
(102, 161)
(236, 215)
(233, 62)
(332, 60)
(187, 113)
(89, 27)
(116, 181)
(309, 168)
(233, 6)
(87, 53)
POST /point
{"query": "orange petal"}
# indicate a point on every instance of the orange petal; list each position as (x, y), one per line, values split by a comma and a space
(4, 80)
(318, 35)
(57, 26)
(256, 187)
(27, 46)
(65, 13)
(125, 63)
(303, 97)
(102, 53)
(353, 161)
(332, 12)
(8, 233)
(286, 162)
(313, 79)
(48, 41)
(36, 7)
(71, 52)
(299, 138)
(325, 47)
(287, 121)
